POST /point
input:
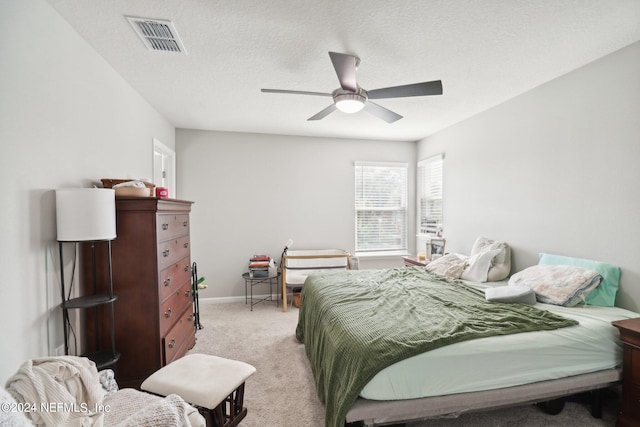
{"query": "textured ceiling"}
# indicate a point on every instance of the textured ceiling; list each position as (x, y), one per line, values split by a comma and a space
(484, 51)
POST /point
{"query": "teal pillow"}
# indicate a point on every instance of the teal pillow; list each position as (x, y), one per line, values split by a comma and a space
(605, 294)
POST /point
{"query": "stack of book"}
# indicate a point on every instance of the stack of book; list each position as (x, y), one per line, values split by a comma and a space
(259, 266)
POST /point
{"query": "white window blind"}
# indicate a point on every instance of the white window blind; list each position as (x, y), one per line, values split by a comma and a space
(430, 194)
(381, 207)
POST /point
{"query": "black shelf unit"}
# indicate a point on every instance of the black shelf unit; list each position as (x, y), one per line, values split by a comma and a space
(103, 357)
(88, 301)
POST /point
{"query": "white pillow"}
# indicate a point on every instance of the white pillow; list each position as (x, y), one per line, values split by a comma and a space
(564, 285)
(449, 265)
(479, 265)
(483, 244)
(511, 294)
(481, 269)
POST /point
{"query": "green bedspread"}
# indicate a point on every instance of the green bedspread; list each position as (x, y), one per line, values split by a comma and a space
(356, 323)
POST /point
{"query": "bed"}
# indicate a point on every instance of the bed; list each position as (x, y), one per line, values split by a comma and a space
(555, 351)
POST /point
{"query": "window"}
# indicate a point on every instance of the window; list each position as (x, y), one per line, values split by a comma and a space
(430, 194)
(381, 207)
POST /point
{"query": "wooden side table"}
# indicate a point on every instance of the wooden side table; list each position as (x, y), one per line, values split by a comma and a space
(413, 260)
(629, 415)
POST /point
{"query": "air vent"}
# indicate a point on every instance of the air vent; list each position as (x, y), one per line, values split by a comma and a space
(157, 34)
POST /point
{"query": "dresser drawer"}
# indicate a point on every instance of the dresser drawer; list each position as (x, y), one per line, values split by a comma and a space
(632, 365)
(180, 338)
(630, 404)
(174, 306)
(173, 277)
(172, 251)
(171, 225)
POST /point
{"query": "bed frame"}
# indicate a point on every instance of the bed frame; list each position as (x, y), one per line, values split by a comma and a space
(379, 412)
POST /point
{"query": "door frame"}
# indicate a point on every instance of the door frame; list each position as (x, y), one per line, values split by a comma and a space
(167, 172)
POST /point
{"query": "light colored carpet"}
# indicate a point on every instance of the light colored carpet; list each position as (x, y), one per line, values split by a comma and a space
(282, 393)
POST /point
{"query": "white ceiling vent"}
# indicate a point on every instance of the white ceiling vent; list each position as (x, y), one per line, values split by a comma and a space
(157, 34)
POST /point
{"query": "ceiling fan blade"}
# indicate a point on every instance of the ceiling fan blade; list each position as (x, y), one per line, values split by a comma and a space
(345, 66)
(324, 113)
(294, 92)
(416, 89)
(381, 112)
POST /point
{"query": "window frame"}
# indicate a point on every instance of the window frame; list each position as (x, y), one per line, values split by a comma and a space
(401, 208)
(429, 188)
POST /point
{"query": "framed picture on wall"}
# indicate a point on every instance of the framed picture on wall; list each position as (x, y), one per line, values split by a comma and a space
(435, 248)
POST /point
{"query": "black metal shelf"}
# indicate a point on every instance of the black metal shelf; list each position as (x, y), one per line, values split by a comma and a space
(88, 301)
(103, 358)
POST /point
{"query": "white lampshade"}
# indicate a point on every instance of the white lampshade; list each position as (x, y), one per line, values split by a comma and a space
(86, 214)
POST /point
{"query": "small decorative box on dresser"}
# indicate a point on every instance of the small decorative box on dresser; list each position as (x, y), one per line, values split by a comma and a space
(152, 278)
(629, 415)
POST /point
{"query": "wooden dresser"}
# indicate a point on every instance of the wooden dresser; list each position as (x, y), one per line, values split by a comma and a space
(629, 415)
(154, 321)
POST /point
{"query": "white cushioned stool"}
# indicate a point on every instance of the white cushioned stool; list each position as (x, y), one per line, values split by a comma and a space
(213, 384)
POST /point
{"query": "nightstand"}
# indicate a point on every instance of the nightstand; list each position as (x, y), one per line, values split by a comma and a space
(629, 415)
(410, 261)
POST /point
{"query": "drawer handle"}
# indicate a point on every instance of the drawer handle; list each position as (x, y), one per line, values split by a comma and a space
(167, 314)
(165, 226)
(167, 281)
(186, 245)
(187, 293)
(190, 318)
(165, 253)
(185, 224)
(172, 343)
(187, 267)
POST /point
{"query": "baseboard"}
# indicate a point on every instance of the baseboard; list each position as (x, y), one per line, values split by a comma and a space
(225, 300)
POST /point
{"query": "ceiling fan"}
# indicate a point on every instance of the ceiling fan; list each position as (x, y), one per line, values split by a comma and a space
(351, 98)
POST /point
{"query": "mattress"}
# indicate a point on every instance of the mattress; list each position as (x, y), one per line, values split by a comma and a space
(506, 361)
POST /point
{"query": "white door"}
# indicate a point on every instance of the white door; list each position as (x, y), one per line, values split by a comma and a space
(164, 167)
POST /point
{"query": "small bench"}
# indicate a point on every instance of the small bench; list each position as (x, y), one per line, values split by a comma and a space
(212, 384)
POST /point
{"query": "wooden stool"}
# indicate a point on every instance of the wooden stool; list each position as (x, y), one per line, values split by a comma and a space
(213, 384)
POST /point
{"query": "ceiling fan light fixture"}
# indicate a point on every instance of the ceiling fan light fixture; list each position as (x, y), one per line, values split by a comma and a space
(349, 102)
(350, 97)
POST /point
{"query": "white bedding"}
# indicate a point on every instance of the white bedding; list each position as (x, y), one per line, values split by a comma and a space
(505, 361)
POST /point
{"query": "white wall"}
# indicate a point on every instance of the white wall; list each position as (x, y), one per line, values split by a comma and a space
(553, 170)
(66, 120)
(253, 192)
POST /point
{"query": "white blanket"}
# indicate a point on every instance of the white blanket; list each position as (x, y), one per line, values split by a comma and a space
(132, 408)
(65, 391)
(479, 265)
